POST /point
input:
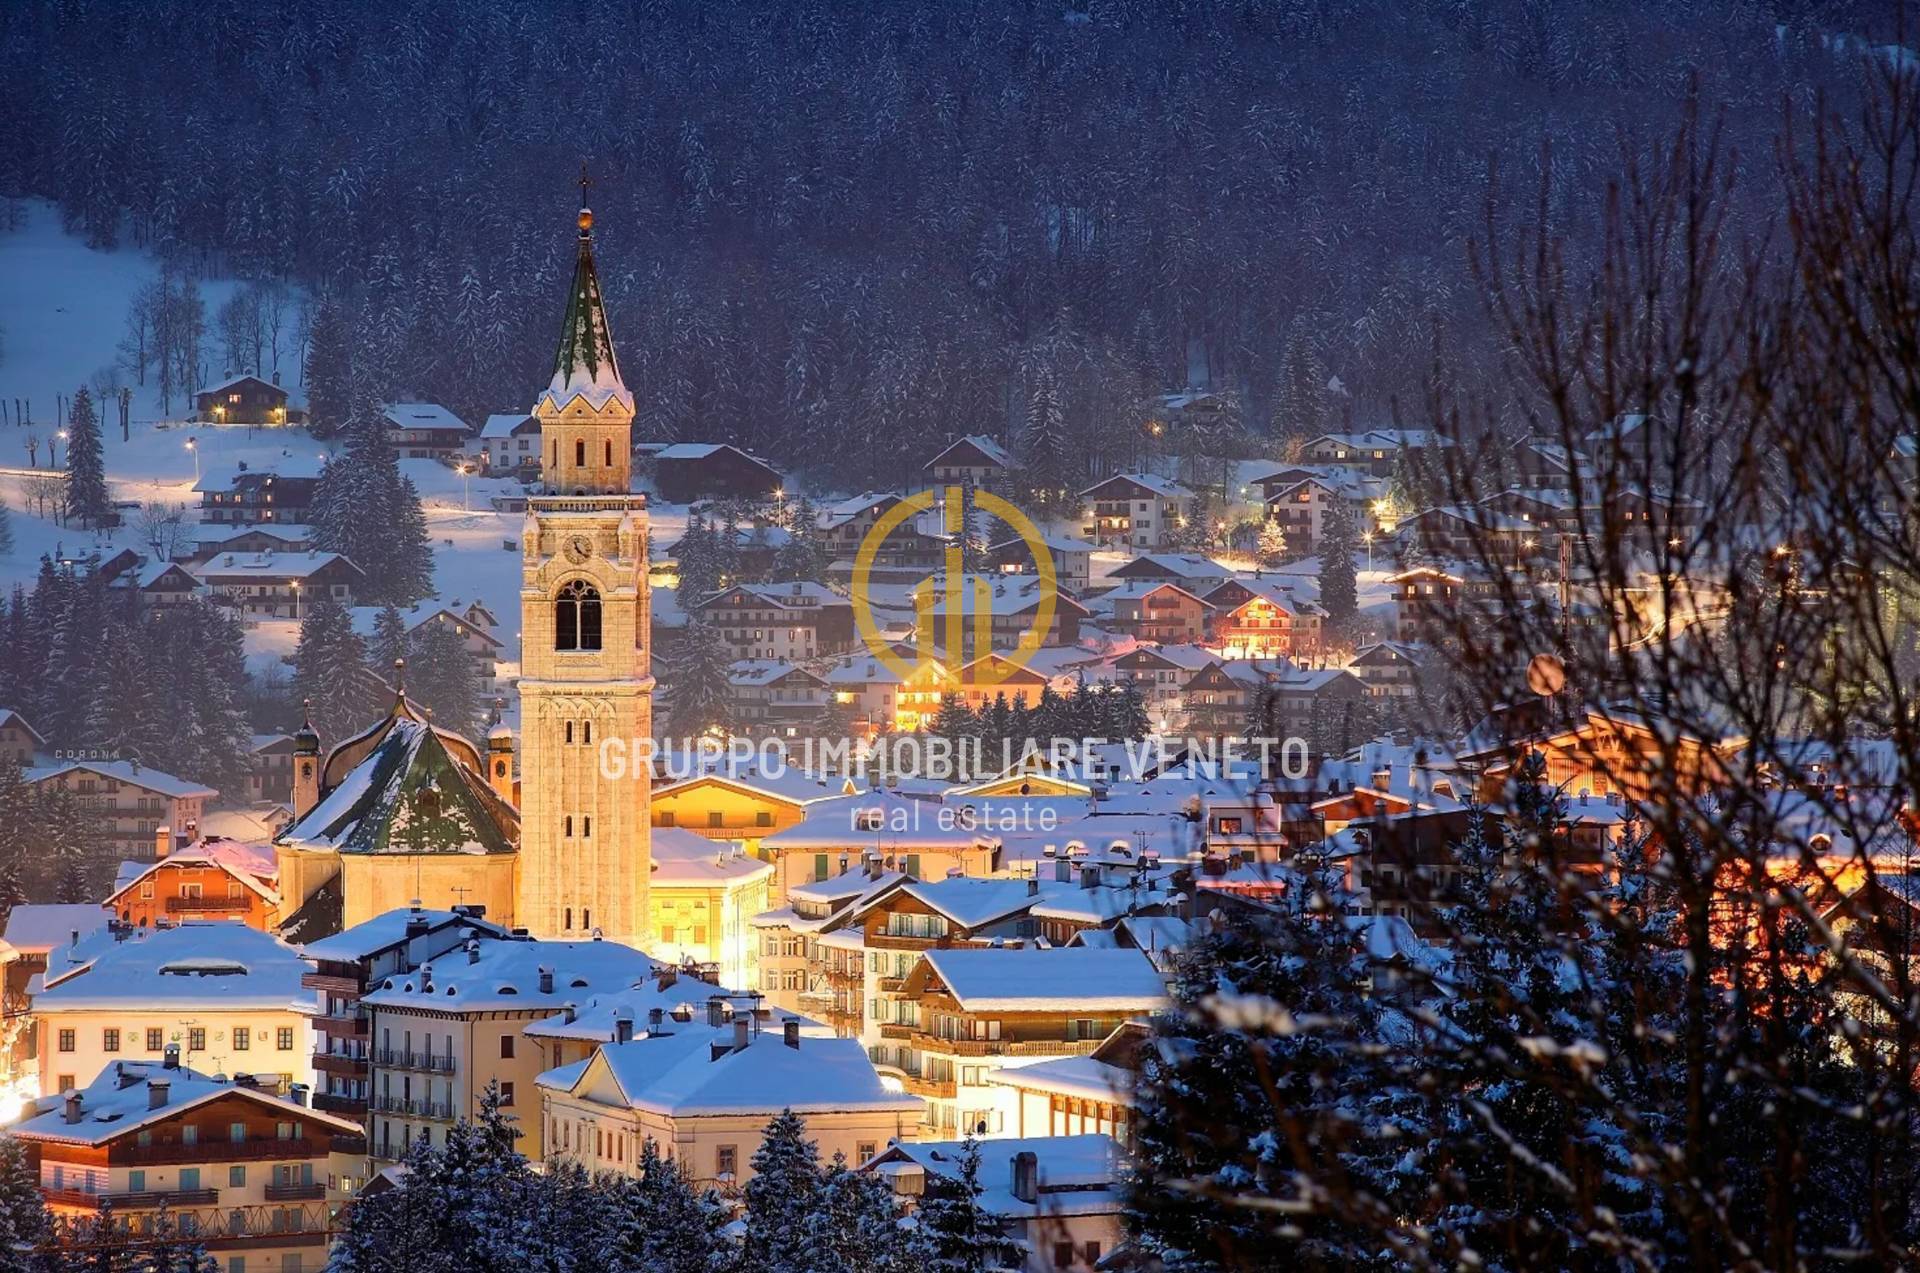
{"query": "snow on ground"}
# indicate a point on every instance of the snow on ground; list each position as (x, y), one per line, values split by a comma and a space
(64, 306)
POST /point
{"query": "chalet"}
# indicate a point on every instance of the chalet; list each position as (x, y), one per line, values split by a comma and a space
(1302, 509)
(985, 680)
(975, 1010)
(1081, 1095)
(128, 802)
(1262, 619)
(245, 399)
(689, 471)
(1375, 451)
(1157, 611)
(509, 444)
(844, 525)
(281, 537)
(1474, 532)
(1198, 575)
(208, 879)
(1012, 604)
(1390, 669)
(1549, 508)
(975, 460)
(258, 1179)
(1600, 751)
(1160, 673)
(1431, 597)
(472, 625)
(1541, 463)
(1072, 559)
(270, 769)
(788, 621)
(424, 430)
(275, 585)
(1320, 703)
(1216, 703)
(18, 740)
(1135, 510)
(744, 801)
(775, 697)
(922, 838)
(159, 585)
(245, 496)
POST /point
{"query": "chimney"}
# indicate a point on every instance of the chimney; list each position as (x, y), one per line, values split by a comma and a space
(569, 1013)
(74, 1106)
(546, 980)
(716, 1012)
(1063, 871)
(623, 1027)
(668, 975)
(716, 1050)
(417, 923)
(1089, 876)
(843, 864)
(73, 937)
(1026, 1176)
(473, 950)
(1033, 886)
(162, 842)
(301, 1094)
(244, 1080)
(426, 979)
(172, 1061)
(790, 1032)
(740, 1033)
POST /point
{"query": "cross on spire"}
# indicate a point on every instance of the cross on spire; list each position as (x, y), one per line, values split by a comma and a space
(585, 181)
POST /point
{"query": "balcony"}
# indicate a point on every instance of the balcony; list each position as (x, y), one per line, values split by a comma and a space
(296, 1193)
(214, 1151)
(147, 1201)
(891, 985)
(892, 1031)
(995, 1047)
(351, 1026)
(946, 1088)
(334, 1063)
(355, 1145)
(206, 905)
(331, 983)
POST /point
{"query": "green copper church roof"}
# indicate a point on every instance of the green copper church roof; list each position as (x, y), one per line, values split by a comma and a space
(585, 365)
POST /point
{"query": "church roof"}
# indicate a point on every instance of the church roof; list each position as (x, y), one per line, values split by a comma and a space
(585, 366)
(409, 794)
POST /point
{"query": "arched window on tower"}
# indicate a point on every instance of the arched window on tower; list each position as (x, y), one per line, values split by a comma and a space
(580, 453)
(576, 617)
(609, 455)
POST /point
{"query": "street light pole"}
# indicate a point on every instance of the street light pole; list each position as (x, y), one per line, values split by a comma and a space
(193, 446)
(296, 600)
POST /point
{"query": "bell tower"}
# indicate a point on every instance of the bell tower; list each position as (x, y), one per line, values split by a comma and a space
(585, 671)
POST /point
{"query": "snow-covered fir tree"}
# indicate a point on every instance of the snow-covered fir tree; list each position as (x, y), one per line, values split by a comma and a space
(87, 497)
(1271, 548)
(859, 1223)
(18, 819)
(329, 370)
(364, 509)
(330, 672)
(700, 699)
(24, 1221)
(441, 676)
(663, 1224)
(388, 641)
(1339, 590)
(956, 1234)
(783, 1200)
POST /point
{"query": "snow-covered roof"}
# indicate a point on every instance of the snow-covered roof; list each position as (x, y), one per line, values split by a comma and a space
(972, 903)
(202, 965)
(506, 977)
(154, 780)
(389, 929)
(1159, 486)
(1075, 1175)
(252, 865)
(684, 857)
(1064, 980)
(683, 1001)
(223, 477)
(754, 673)
(34, 928)
(273, 566)
(422, 415)
(878, 820)
(1077, 1076)
(10, 717)
(993, 451)
(120, 1101)
(506, 424)
(676, 1074)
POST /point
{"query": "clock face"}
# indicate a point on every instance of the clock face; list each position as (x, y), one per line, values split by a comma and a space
(579, 548)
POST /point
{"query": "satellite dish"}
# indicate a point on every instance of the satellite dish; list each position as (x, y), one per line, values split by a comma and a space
(1546, 675)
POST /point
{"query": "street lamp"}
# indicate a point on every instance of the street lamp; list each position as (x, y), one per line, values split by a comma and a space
(1366, 537)
(780, 507)
(193, 445)
(53, 451)
(466, 486)
(296, 600)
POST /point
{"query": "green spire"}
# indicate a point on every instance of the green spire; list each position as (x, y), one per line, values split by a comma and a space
(585, 363)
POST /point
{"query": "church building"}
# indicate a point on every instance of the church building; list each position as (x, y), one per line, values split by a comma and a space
(405, 813)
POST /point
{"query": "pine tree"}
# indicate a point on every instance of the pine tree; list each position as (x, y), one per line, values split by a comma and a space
(329, 671)
(329, 371)
(6, 530)
(389, 640)
(1046, 475)
(125, 718)
(102, 1243)
(858, 1223)
(662, 1224)
(1271, 550)
(24, 1220)
(365, 510)
(72, 846)
(956, 1233)
(87, 496)
(698, 556)
(19, 813)
(783, 1198)
(1339, 590)
(441, 677)
(701, 699)
(166, 1247)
